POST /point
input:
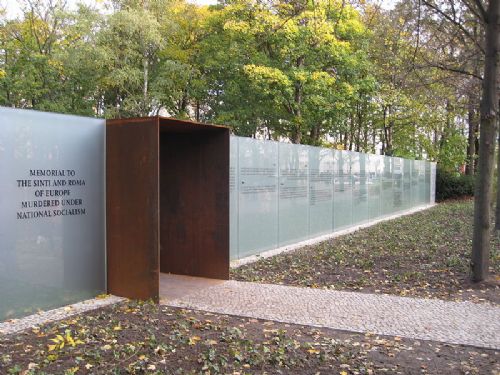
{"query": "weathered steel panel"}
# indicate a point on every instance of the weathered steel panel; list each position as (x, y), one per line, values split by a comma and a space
(133, 208)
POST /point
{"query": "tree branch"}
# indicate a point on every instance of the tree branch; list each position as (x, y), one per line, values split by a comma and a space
(452, 69)
(454, 22)
(482, 10)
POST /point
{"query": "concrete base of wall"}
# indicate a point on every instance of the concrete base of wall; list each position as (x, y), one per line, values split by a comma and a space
(313, 241)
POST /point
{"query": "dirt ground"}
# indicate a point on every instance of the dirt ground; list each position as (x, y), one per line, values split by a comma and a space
(140, 338)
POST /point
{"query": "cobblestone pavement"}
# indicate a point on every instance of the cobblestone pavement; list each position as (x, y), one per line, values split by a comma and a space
(428, 319)
(43, 317)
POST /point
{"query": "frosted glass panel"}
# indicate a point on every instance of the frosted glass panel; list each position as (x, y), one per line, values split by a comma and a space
(433, 183)
(342, 196)
(258, 196)
(387, 201)
(427, 182)
(233, 198)
(281, 194)
(406, 183)
(51, 210)
(320, 191)
(421, 182)
(397, 184)
(359, 187)
(374, 185)
(293, 193)
(414, 183)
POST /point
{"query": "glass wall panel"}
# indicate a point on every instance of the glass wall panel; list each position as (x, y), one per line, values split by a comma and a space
(342, 196)
(359, 187)
(406, 183)
(397, 184)
(233, 197)
(52, 197)
(421, 182)
(293, 193)
(433, 183)
(414, 183)
(427, 182)
(320, 191)
(387, 201)
(283, 193)
(374, 185)
(258, 196)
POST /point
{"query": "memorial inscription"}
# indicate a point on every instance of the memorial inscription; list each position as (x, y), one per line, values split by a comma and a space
(54, 194)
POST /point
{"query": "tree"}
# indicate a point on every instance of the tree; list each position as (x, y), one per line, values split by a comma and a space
(488, 126)
(417, 112)
(129, 42)
(288, 67)
(48, 59)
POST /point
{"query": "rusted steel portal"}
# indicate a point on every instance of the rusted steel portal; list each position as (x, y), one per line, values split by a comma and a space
(167, 203)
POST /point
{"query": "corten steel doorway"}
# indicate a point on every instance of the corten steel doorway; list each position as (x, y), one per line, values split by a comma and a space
(167, 203)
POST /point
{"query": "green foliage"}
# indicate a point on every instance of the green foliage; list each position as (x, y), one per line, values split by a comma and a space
(451, 185)
(285, 68)
(322, 72)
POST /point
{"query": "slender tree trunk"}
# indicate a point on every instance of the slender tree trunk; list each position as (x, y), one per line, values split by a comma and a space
(297, 134)
(387, 131)
(197, 112)
(388, 134)
(351, 132)
(487, 140)
(471, 143)
(497, 215)
(365, 139)
(360, 121)
(145, 66)
(374, 140)
(184, 103)
(314, 134)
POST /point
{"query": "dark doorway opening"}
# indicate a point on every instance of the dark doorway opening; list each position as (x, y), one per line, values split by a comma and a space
(194, 201)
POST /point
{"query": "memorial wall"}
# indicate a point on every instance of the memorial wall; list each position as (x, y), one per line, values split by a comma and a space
(281, 193)
(52, 224)
(52, 200)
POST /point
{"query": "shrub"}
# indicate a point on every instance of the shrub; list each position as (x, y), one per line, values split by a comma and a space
(450, 185)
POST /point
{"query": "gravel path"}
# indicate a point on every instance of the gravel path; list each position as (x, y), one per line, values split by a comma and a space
(428, 319)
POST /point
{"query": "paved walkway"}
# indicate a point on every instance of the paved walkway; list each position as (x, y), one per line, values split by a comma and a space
(428, 319)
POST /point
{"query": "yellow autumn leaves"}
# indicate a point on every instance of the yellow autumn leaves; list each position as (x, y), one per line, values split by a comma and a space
(60, 341)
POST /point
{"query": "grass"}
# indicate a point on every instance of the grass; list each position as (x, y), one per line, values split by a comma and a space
(144, 338)
(426, 254)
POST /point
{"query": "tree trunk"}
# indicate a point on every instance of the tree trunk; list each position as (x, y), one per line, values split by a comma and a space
(360, 121)
(471, 143)
(497, 215)
(487, 140)
(387, 149)
(374, 141)
(197, 112)
(314, 134)
(297, 133)
(145, 72)
(351, 131)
